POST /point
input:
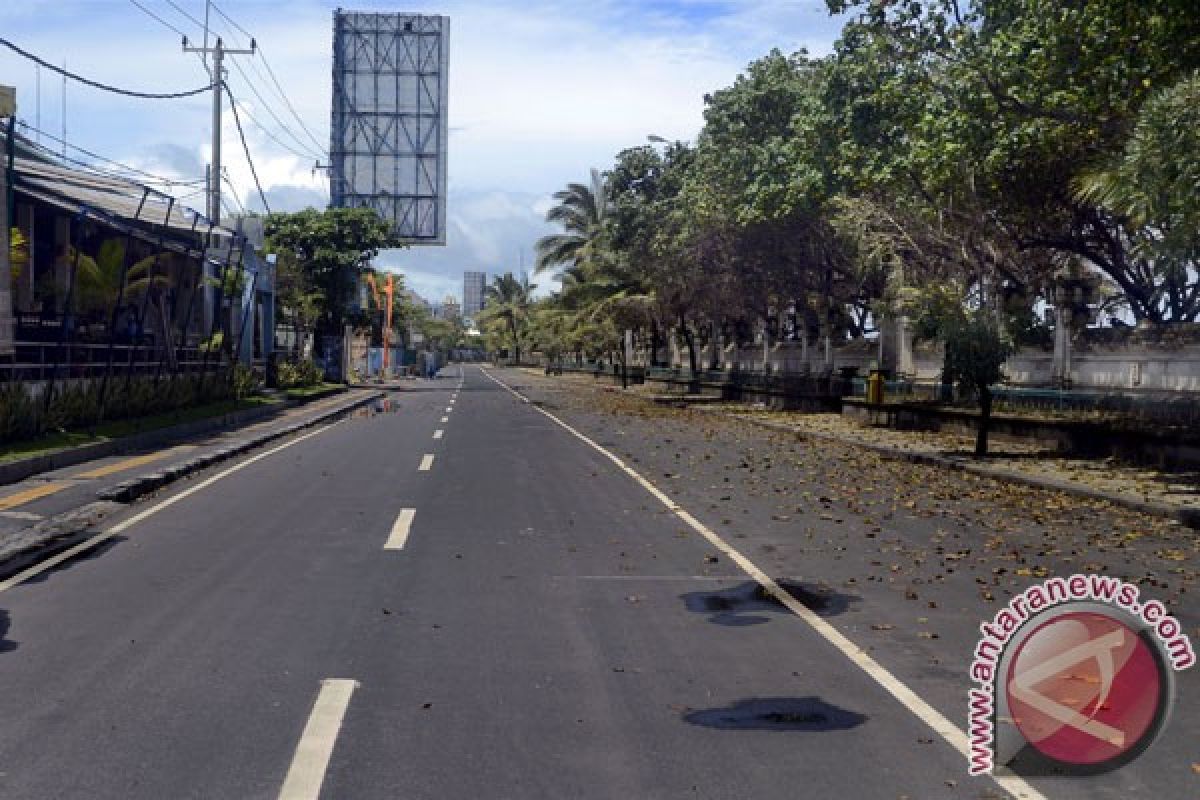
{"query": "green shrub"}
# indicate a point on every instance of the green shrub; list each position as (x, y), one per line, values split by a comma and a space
(243, 381)
(297, 374)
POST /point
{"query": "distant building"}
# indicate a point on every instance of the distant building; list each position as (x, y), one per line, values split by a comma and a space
(451, 310)
(474, 284)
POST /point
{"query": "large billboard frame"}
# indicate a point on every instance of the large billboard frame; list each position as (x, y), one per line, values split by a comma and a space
(388, 128)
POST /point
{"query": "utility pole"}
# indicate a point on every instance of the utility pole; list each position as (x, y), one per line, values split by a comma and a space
(216, 73)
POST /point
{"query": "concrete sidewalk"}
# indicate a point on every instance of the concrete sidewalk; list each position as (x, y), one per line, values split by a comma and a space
(53, 510)
(1174, 495)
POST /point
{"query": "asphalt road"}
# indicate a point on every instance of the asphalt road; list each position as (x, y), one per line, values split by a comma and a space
(512, 618)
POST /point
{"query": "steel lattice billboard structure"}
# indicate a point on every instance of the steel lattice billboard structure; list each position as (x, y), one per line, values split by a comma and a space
(388, 129)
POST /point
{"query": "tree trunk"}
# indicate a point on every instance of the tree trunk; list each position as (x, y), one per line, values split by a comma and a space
(691, 346)
(985, 419)
(512, 326)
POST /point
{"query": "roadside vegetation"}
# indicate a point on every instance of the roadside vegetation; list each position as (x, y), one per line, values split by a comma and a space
(950, 163)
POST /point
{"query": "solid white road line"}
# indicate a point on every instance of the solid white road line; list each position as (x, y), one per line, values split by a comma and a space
(307, 772)
(437, 434)
(445, 419)
(124, 525)
(426, 463)
(954, 736)
(400, 527)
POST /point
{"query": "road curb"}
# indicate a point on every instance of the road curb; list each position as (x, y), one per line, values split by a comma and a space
(20, 469)
(134, 488)
(1185, 516)
(62, 531)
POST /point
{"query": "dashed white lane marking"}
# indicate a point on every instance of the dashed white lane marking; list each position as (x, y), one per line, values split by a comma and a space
(449, 409)
(445, 419)
(955, 737)
(426, 463)
(124, 525)
(400, 528)
(438, 433)
(311, 760)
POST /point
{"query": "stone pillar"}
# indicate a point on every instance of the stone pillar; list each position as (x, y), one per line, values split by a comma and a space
(1061, 369)
(895, 346)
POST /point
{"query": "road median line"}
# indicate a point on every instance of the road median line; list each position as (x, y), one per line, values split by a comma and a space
(400, 529)
(311, 760)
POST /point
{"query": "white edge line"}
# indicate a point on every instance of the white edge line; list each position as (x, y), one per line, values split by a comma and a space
(311, 759)
(952, 734)
(125, 524)
(400, 528)
(426, 463)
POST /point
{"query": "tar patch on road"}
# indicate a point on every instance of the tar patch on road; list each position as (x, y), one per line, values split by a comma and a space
(737, 606)
(811, 714)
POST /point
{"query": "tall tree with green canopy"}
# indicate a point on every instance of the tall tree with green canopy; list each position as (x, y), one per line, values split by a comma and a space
(1153, 185)
(986, 111)
(333, 248)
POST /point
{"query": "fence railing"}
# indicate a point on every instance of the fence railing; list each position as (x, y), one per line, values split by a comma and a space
(39, 361)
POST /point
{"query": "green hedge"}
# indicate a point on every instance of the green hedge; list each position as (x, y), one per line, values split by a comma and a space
(79, 406)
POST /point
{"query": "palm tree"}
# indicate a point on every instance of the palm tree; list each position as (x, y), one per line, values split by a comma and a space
(105, 279)
(508, 299)
(581, 211)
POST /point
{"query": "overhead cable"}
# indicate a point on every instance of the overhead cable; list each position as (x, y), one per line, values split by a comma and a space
(97, 84)
(245, 147)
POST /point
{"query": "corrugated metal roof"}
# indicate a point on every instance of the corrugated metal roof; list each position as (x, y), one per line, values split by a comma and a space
(139, 208)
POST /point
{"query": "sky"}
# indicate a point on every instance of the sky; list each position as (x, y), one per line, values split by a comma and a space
(540, 92)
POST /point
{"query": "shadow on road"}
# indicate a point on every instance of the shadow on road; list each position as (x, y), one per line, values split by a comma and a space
(810, 714)
(6, 644)
(86, 555)
(736, 606)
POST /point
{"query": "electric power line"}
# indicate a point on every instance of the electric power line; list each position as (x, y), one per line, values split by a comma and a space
(274, 116)
(246, 148)
(148, 177)
(267, 132)
(237, 197)
(154, 16)
(185, 14)
(278, 87)
(288, 102)
(307, 151)
(104, 86)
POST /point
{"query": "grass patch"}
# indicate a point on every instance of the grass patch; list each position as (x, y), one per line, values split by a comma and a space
(61, 440)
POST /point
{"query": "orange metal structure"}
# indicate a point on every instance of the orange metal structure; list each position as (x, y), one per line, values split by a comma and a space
(389, 289)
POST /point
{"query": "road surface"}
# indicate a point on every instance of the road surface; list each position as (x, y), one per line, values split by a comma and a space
(456, 598)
